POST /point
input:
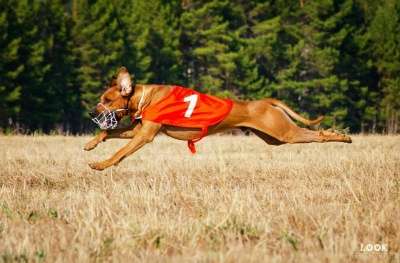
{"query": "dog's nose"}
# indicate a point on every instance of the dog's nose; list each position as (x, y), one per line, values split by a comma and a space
(92, 113)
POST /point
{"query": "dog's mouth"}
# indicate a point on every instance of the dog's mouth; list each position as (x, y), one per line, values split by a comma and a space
(107, 119)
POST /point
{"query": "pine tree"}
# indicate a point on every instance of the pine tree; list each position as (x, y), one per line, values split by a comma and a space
(10, 68)
(260, 49)
(46, 71)
(207, 44)
(101, 45)
(155, 36)
(384, 33)
(311, 79)
(62, 76)
(339, 58)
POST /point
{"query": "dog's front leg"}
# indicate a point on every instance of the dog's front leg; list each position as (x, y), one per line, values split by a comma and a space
(145, 135)
(95, 141)
(121, 133)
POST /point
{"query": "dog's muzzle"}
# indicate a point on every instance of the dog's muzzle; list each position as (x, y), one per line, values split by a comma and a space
(107, 119)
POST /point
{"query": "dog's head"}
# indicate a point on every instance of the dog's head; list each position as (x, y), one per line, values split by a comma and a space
(114, 102)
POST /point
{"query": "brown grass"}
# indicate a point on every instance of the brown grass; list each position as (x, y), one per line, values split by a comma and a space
(237, 200)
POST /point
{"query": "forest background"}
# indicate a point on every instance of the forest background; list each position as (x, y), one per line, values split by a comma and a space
(336, 58)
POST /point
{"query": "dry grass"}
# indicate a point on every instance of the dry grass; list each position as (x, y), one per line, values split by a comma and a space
(237, 200)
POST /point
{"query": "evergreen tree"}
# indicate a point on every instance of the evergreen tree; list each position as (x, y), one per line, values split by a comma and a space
(261, 49)
(207, 44)
(311, 81)
(10, 68)
(34, 63)
(339, 58)
(101, 45)
(62, 75)
(384, 33)
(155, 37)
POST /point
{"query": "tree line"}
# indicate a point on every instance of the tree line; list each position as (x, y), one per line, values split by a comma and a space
(339, 58)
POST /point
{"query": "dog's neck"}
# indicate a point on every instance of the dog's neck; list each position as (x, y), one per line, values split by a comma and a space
(140, 100)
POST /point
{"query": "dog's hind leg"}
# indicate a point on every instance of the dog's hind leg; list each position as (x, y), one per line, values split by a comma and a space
(274, 122)
(305, 136)
(267, 138)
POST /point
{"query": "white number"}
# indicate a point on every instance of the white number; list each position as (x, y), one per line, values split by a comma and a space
(192, 99)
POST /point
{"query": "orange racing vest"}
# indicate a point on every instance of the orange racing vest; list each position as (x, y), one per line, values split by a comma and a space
(188, 108)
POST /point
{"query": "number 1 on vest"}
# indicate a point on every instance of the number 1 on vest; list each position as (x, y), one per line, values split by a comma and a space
(192, 99)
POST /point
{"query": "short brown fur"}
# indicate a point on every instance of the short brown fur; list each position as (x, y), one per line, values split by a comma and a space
(268, 119)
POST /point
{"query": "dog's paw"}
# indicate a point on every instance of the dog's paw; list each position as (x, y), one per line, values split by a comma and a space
(347, 139)
(99, 166)
(90, 145)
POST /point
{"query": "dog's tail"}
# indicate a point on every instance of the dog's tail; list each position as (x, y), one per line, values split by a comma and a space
(293, 114)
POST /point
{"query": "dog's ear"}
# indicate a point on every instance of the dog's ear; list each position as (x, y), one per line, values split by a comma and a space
(124, 82)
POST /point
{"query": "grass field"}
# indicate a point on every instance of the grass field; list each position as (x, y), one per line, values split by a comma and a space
(237, 200)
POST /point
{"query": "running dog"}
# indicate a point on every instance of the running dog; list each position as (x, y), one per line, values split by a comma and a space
(185, 114)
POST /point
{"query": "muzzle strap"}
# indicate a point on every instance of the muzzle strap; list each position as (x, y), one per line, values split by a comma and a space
(107, 119)
(138, 114)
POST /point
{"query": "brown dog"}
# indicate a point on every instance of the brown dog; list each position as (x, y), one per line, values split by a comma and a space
(268, 119)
